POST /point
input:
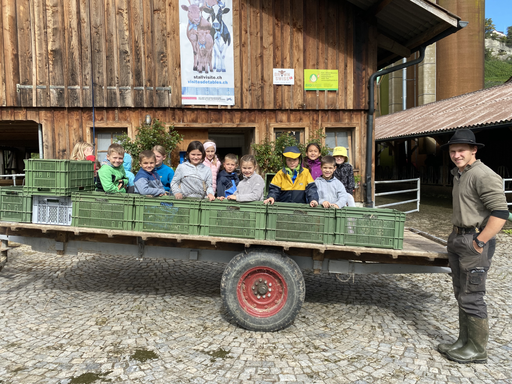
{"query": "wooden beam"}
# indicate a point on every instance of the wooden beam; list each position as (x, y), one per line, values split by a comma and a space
(393, 46)
(376, 8)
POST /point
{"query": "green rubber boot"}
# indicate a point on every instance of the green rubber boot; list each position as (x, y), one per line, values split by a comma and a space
(475, 349)
(463, 335)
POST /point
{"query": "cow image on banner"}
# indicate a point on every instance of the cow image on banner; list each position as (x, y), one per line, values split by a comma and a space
(206, 47)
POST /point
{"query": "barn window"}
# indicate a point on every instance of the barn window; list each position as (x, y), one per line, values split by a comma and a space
(104, 138)
(298, 133)
(340, 137)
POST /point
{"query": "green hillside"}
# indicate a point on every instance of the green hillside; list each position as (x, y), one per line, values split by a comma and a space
(497, 71)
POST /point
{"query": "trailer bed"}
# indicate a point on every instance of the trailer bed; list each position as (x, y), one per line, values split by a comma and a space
(418, 248)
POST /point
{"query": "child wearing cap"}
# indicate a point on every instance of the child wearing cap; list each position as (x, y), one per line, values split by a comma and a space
(345, 173)
(292, 184)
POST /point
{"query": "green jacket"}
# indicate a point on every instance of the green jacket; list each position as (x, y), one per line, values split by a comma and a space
(476, 193)
(108, 179)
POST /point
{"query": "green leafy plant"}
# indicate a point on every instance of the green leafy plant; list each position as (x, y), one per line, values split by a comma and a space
(147, 137)
(269, 154)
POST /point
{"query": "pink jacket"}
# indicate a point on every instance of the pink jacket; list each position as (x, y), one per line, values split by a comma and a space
(215, 170)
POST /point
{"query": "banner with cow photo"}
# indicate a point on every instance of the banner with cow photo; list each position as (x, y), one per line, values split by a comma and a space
(206, 47)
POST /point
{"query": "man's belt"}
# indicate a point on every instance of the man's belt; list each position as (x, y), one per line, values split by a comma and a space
(464, 230)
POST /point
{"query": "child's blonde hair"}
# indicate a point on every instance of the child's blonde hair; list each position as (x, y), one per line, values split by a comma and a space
(231, 156)
(215, 158)
(160, 150)
(78, 151)
(117, 148)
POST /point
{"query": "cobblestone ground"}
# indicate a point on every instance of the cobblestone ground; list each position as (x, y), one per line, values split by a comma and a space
(93, 318)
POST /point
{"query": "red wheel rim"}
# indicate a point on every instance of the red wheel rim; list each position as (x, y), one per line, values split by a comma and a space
(262, 291)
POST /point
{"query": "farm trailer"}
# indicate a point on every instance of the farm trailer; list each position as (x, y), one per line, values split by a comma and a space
(262, 286)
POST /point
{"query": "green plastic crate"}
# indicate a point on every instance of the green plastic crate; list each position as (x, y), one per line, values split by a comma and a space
(58, 177)
(370, 227)
(167, 215)
(300, 223)
(101, 210)
(231, 219)
(15, 205)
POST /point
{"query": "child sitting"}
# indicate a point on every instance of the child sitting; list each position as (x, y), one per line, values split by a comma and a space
(166, 173)
(147, 181)
(227, 179)
(345, 173)
(331, 192)
(193, 178)
(111, 176)
(292, 184)
(252, 186)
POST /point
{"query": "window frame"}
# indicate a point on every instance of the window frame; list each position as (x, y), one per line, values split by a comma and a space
(352, 130)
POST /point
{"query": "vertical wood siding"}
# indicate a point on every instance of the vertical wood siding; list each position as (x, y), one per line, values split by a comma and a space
(130, 50)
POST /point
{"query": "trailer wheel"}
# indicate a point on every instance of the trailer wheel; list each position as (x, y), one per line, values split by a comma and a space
(263, 290)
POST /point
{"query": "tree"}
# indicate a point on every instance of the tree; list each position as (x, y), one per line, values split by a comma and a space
(509, 37)
(149, 135)
(489, 28)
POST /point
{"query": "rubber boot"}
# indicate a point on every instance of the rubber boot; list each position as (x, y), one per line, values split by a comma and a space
(475, 349)
(463, 335)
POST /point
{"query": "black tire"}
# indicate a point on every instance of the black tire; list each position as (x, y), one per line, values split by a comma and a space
(247, 306)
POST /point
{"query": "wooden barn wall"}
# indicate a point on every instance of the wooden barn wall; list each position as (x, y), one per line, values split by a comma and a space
(130, 48)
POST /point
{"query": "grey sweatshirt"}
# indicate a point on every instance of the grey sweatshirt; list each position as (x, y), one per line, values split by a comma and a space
(331, 191)
(250, 189)
(192, 181)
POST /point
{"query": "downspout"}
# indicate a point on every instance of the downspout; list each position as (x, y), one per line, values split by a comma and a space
(369, 123)
(371, 104)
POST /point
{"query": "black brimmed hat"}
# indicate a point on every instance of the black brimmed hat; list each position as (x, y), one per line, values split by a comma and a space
(463, 136)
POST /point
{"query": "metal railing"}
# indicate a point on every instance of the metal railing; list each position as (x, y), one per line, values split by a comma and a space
(417, 190)
(14, 175)
(504, 188)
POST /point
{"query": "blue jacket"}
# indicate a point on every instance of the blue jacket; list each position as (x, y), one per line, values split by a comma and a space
(225, 183)
(148, 183)
(166, 174)
(127, 164)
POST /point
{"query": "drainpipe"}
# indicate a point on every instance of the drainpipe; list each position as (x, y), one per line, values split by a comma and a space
(369, 123)
(371, 104)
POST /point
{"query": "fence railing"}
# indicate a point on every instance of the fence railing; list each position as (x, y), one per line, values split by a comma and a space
(505, 189)
(14, 175)
(417, 190)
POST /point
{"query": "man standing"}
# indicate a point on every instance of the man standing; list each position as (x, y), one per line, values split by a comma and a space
(479, 212)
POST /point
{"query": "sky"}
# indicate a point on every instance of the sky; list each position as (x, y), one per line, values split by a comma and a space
(500, 11)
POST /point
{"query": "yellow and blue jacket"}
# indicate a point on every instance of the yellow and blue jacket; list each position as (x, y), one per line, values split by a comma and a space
(300, 188)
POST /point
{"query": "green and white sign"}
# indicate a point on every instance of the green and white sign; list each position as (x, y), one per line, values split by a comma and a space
(321, 79)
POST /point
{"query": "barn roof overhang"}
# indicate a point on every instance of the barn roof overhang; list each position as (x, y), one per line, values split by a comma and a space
(483, 109)
(405, 25)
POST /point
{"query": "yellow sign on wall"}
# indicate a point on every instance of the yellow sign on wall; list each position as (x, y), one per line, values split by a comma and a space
(321, 79)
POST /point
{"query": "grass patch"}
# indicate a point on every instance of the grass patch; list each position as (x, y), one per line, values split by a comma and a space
(90, 377)
(143, 355)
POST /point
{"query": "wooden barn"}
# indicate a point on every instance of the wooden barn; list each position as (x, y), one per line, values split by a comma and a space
(89, 70)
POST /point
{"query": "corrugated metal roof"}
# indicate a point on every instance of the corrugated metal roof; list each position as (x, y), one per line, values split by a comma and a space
(409, 23)
(476, 109)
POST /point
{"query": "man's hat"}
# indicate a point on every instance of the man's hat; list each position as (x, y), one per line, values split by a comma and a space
(463, 136)
(292, 152)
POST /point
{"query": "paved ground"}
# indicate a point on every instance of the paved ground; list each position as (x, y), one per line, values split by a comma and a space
(104, 319)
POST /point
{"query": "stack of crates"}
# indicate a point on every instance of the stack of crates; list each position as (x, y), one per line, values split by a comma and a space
(50, 183)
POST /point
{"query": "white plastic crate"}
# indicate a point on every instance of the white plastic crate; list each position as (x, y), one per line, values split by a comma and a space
(56, 210)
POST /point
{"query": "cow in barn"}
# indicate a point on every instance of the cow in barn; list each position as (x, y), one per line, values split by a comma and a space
(196, 23)
(221, 36)
(204, 51)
